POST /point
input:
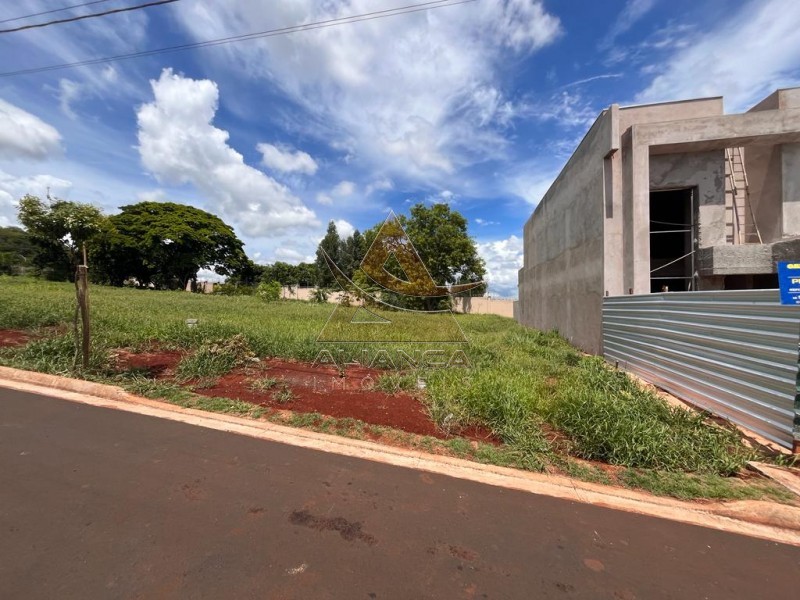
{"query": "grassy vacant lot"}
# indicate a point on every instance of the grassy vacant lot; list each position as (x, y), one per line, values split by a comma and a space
(543, 398)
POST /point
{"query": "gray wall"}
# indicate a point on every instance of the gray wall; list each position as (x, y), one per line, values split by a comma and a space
(773, 173)
(704, 170)
(764, 168)
(791, 189)
(561, 282)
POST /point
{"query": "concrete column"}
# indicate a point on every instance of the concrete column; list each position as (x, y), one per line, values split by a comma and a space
(640, 214)
(627, 210)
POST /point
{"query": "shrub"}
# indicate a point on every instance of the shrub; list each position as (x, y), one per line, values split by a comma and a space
(234, 289)
(319, 295)
(216, 357)
(269, 292)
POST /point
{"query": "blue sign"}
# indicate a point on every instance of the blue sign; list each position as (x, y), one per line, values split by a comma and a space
(789, 281)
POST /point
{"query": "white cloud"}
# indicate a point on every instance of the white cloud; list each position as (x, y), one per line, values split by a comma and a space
(13, 187)
(419, 95)
(209, 275)
(179, 144)
(630, 14)
(157, 195)
(485, 223)
(379, 185)
(68, 92)
(503, 259)
(291, 256)
(744, 59)
(531, 184)
(569, 109)
(23, 135)
(343, 189)
(344, 228)
(283, 159)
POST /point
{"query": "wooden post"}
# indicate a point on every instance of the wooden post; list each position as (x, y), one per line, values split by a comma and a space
(82, 286)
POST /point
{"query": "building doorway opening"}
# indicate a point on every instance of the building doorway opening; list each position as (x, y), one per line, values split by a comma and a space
(672, 240)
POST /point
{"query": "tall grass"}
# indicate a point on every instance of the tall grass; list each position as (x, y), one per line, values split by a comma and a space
(527, 386)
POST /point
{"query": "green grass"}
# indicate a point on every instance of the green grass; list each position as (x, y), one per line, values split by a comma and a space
(688, 486)
(283, 394)
(523, 384)
(215, 358)
(262, 384)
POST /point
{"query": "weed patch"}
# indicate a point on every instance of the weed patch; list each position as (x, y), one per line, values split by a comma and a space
(216, 358)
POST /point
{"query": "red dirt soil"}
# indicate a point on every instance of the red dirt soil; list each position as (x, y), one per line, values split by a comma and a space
(10, 338)
(322, 390)
(155, 364)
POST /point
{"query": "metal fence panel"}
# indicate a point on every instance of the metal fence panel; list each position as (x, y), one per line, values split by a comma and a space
(733, 353)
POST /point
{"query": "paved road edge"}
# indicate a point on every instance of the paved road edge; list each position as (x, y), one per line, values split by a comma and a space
(763, 520)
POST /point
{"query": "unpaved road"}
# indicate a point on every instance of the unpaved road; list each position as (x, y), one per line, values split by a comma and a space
(97, 503)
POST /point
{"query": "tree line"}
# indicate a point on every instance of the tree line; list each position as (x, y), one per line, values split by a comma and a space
(163, 245)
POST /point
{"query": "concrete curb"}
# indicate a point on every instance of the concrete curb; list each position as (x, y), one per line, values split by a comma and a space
(758, 519)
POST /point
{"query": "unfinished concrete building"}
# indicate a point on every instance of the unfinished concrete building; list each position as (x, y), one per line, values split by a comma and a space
(676, 196)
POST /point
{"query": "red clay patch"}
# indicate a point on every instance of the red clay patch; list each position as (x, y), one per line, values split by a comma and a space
(10, 338)
(323, 390)
(155, 364)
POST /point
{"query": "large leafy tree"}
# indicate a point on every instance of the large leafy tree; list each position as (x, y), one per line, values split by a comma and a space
(59, 228)
(440, 237)
(165, 244)
(17, 250)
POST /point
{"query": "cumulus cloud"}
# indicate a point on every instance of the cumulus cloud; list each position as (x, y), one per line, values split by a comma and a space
(344, 228)
(379, 185)
(744, 59)
(503, 260)
(418, 95)
(23, 135)
(283, 159)
(179, 144)
(343, 189)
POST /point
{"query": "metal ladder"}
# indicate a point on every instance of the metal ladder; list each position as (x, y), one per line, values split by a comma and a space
(741, 223)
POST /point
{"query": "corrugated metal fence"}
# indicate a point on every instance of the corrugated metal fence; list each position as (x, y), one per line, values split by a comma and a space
(733, 353)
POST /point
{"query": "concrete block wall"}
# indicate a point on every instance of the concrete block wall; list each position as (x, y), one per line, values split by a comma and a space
(561, 281)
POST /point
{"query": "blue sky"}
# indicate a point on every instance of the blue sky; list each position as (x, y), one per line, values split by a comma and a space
(478, 105)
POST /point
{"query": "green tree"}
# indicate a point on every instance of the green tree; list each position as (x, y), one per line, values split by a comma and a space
(165, 244)
(248, 275)
(352, 253)
(59, 229)
(440, 236)
(285, 274)
(332, 245)
(307, 274)
(17, 251)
